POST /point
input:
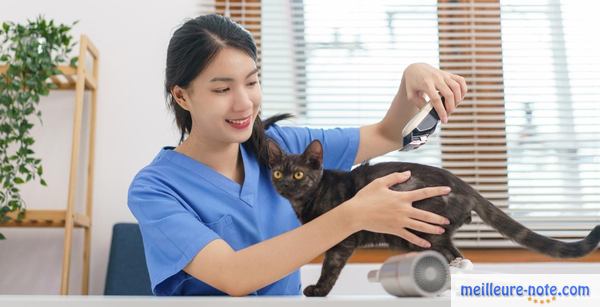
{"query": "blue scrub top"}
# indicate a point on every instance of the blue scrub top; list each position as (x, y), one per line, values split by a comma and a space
(181, 205)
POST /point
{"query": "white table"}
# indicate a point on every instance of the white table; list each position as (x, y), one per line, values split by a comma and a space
(150, 301)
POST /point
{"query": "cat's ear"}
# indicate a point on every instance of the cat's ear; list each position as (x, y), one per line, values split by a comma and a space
(275, 152)
(314, 154)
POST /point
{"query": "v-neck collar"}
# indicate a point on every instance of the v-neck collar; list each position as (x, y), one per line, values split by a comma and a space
(245, 192)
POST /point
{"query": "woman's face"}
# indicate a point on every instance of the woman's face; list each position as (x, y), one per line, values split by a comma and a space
(224, 99)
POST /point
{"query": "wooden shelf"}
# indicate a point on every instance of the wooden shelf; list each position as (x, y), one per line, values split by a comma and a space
(77, 79)
(67, 79)
(47, 218)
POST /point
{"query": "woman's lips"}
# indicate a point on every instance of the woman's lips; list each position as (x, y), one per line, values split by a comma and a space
(239, 123)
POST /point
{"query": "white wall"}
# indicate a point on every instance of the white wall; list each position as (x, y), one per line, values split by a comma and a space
(132, 124)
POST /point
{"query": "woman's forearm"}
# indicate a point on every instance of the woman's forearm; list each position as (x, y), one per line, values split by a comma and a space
(386, 136)
(397, 116)
(374, 208)
(273, 259)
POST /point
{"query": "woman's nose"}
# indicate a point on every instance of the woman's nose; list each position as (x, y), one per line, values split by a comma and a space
(242, 100)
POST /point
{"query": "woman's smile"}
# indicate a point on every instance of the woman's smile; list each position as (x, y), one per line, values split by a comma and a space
(242, 123)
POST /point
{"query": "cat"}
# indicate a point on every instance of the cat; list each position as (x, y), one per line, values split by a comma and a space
(313, 191)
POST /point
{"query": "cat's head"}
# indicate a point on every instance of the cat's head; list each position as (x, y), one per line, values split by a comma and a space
(296, 175)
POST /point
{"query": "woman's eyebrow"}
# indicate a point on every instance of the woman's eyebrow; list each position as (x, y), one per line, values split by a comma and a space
(255, 70)
(228, 79)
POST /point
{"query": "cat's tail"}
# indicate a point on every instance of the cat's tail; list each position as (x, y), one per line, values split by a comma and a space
(275, 118)
(258, 139)
(514, 230)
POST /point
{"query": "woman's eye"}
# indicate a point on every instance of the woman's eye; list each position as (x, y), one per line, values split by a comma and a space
(277, 175)
(298, 175)
(221, 90)
(253, 83)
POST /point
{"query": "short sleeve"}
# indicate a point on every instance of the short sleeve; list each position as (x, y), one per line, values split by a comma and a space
(172, 235)
(340, 145)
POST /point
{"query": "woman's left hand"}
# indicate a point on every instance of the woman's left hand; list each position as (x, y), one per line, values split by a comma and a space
(421, 78)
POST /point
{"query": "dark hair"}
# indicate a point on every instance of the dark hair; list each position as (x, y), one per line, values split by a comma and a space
(191, 49)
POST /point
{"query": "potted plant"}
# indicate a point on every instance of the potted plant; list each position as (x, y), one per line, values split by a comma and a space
(29, 54)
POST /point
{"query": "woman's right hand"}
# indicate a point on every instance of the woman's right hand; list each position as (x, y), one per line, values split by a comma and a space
(377, 208)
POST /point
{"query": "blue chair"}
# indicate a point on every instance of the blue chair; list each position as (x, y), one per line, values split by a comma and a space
(127, 273)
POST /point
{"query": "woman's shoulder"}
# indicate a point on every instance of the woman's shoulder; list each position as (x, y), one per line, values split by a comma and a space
(278, 131)
(155, 172)
(296, 138)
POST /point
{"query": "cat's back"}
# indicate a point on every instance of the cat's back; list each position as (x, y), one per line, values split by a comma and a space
(421, 175)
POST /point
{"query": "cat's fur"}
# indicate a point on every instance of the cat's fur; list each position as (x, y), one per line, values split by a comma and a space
(321, 190)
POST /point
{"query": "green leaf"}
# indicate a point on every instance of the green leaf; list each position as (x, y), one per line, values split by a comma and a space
(44, 91)
(13, 204)
(32, 50)
(2, 237)
(74, 61)
(5, 218)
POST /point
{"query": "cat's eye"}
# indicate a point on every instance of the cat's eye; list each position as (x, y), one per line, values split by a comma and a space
(298, 175)
(277, 175)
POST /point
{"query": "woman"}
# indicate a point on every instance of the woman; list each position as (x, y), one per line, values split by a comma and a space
(211, 221)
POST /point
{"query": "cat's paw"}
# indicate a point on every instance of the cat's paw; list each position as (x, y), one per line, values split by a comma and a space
(456, 262)
(313, 290)
(466, 264)
(461, 263)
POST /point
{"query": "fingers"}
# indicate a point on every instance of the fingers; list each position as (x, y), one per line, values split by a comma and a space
(463, 85)
(412, 238)
(428, 217)
(419, 100)
(428, 192)
(425, 79)
(453, 88)
(456, 91)
(394, 178)
(448, 95)
(436, 101)
(424, 227)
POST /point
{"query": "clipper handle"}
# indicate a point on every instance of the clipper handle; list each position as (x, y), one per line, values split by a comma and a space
(420, 127)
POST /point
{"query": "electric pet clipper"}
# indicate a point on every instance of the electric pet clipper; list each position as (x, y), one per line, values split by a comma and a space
(420, 127)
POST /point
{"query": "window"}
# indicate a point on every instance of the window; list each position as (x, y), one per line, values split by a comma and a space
(528, 134)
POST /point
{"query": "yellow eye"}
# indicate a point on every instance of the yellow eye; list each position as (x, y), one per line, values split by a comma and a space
(298, 175)
(277, 175)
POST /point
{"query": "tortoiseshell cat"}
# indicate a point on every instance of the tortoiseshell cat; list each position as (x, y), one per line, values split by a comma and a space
(313, 191)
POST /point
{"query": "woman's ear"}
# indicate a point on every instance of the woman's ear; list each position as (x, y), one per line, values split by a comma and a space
(181, 97)
(275, 152)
